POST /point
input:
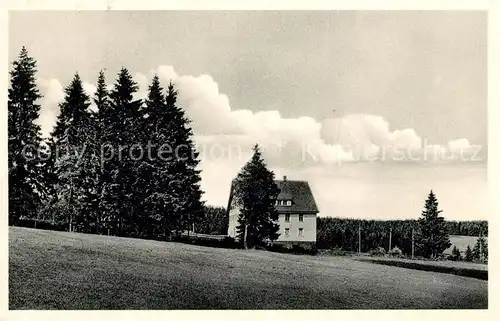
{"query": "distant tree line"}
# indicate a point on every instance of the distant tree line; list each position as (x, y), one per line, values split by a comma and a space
(342, 233)
(467, 228)
(215, 221)
(125, 167)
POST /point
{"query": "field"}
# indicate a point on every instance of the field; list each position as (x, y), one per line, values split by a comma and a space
(461, 243)
(58, 270)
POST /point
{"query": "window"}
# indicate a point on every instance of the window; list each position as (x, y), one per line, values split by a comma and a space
(301, 232)
(287, 217)
(301, 217)
(287, 232)
(283, 203)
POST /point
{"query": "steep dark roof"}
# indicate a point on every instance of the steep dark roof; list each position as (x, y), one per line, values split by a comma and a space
(298, 192)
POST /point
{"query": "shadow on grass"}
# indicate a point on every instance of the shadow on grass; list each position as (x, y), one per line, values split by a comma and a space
(472, 273)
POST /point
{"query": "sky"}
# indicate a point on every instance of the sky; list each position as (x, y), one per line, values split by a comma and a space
(372, 108)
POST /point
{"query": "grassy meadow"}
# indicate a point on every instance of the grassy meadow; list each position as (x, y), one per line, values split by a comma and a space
(60, 270)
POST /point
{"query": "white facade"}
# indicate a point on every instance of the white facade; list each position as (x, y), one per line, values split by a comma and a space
(233, 221)
(293, 227)
(297, 228)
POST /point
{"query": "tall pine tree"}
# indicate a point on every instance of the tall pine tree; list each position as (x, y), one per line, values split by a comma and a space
(484, 249)
(432, 238)
(455, 254)
(173, 197)
(72, 133)
(469, 257)
(476, 251)
(49, 208)
(89, 183)
(24, 140)
(256, 193)
(186, 185)
(153, 173)
(101, 121)
(481, 248)
(122, 123)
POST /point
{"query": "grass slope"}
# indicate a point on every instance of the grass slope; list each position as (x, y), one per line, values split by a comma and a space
(58, 270)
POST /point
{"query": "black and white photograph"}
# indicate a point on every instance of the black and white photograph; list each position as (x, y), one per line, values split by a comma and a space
(247, 160)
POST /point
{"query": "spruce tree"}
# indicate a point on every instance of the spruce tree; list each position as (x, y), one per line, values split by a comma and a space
(89, 181)
(256, 193)
(101, 121)
(476, 251)
(154, 173)
(170, 177)
(455, 254)
(432, 238)
(49, 208)
(71, 134)
(468, 254)
(26, 181)
(101, 100)
(120, 134)
(188, 207)
(482, 248)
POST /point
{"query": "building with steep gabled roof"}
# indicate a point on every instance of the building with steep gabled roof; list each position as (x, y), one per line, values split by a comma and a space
(297, 213)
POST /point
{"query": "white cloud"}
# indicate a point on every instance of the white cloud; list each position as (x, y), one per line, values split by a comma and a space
(89, 88)
(462, 150)
(369, 136)
(225, 136)
(458, 144)
(53, 93)
(406, 138)
(289, 141)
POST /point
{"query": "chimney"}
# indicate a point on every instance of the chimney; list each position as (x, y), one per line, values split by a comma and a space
(284, 178)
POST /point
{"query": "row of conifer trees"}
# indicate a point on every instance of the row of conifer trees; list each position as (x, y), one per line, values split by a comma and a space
(112, 164)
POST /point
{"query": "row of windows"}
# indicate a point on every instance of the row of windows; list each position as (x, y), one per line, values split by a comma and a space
(287, 218)
(300, 232)
(283, 203)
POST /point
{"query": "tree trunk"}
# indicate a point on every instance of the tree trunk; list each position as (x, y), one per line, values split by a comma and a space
(245, 237)
(412, 244)
(37, 217)
(97, 223)
(70, 204)
(390, 239)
